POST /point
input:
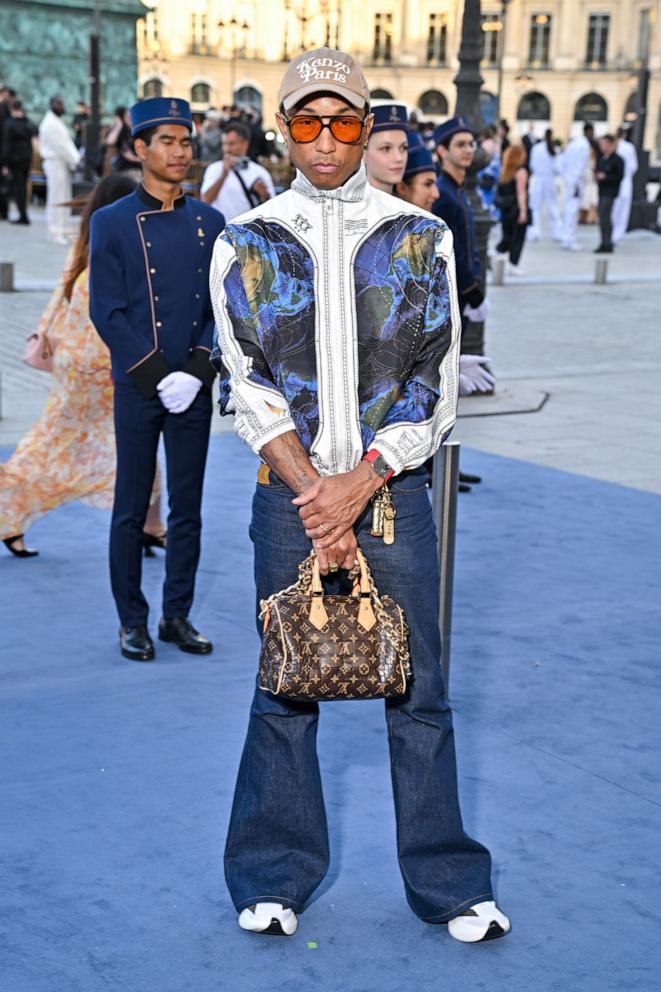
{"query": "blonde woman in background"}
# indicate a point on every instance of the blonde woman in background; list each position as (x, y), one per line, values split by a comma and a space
(69, 453)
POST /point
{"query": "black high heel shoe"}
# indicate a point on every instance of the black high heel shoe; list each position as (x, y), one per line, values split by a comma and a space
(9, 543)
(150, 541)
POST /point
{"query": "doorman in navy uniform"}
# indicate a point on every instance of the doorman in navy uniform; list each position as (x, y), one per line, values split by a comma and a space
(150, 255)
(455, 146)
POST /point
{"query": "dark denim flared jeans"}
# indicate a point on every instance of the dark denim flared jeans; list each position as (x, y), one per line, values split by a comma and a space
(277, 845)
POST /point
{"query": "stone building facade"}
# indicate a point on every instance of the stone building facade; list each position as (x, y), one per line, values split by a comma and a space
(562, 61)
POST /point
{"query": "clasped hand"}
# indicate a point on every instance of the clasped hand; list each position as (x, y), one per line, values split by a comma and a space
(331, 505)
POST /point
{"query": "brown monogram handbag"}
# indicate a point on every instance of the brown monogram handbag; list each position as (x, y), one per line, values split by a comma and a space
(317, 647)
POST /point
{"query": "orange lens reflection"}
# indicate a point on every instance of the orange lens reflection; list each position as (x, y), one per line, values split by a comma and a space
(345, 129)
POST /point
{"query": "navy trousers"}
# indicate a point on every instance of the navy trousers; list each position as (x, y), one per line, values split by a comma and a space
(139, 423)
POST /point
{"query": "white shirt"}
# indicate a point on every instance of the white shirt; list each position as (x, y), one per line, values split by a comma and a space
(575, 160)
(232, 201)
(55, 141)
(627, 152)
(542, 163)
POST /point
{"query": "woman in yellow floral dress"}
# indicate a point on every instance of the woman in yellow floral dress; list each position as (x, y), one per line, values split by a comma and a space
(70, 452)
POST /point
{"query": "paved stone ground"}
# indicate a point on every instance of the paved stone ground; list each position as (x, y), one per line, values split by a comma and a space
(588, 355)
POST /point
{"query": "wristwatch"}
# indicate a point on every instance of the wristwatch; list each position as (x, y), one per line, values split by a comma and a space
(379, 464)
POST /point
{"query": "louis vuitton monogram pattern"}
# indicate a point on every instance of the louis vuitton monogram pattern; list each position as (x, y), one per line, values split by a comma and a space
(340, 661)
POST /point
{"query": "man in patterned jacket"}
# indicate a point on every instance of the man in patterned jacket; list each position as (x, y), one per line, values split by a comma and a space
(337, 344)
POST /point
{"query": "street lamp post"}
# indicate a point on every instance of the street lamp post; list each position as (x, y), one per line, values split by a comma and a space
(468, 82)
(93, 126)
(236, 48)
(501, 54)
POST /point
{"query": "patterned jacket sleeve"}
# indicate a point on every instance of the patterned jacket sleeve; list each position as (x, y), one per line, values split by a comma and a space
(424, 413)
(247, 388)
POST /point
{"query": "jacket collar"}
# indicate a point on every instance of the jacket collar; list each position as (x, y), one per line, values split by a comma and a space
(353, 190)
(154, 202)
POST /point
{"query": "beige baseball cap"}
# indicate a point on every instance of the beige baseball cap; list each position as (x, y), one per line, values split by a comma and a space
(327, 70)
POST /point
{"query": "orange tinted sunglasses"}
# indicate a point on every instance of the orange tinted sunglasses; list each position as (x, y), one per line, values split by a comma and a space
(306, 128)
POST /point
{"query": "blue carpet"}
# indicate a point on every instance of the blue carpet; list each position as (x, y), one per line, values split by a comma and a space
(117, 778)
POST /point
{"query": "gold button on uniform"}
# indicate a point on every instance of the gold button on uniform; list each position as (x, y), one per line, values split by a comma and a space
(152, 271)
(148, 243)
(142, 218)
(156, 299)
(158, 323)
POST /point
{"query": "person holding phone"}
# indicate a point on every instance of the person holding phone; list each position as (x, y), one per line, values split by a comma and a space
(235, 183)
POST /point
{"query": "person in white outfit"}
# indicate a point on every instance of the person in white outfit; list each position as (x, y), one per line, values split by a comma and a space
(235, 184)
(622, 206)
(60, 158)
(544, 165)
(574, 164)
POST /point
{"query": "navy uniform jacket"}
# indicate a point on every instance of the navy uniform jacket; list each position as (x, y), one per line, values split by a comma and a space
(453, 206)
(149, 287)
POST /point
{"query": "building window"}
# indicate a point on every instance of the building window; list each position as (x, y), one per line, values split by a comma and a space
(199, 43)
(433, 102)
(540, 37)
(150, 30)
(488, 106)
(591, 107)
(152, 87)
(382, 38)
(200, 93)
(248, 98)
(644, 31)
(491, 28)
(437, 38)
(381, 94)
(533, 107)
(598, 26)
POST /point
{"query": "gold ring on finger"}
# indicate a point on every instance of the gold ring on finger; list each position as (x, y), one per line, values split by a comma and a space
(324, 528)
(333, 566)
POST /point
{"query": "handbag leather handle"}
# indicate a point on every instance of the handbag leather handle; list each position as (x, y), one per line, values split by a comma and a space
(318, 614)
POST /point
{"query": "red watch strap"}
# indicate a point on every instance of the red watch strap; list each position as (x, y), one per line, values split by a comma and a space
(371, 456)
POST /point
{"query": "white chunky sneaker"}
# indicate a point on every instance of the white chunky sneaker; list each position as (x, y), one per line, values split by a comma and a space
(269, 917)
(483, 922)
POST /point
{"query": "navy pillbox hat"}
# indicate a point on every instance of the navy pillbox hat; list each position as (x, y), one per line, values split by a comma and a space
(415, 139)
(159, 110)
(390, 117)
(455, 125)
(419, 160)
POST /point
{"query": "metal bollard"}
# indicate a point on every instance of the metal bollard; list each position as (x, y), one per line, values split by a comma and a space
(499, 272)
(601, 271)
(444, 492)
(6, 277)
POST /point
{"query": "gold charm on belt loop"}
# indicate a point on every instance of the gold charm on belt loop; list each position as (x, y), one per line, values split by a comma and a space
(383, 515)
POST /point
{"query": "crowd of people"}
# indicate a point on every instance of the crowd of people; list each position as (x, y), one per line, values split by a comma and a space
(340, 319)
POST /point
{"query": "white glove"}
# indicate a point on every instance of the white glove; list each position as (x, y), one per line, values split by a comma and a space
(472, 377)
(477, 314)
(178, 390)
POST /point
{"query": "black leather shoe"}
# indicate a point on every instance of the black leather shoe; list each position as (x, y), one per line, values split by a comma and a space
(136, 644)
(181, 632)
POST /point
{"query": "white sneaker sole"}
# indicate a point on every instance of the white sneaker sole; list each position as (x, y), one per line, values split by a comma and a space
(488, 924)
(269, 918)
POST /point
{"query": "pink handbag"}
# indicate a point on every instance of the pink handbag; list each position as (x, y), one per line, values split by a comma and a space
(41, 345)
(38, 352)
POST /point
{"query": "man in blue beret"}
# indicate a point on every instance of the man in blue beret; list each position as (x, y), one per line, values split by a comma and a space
(150, 255)
(455, 147)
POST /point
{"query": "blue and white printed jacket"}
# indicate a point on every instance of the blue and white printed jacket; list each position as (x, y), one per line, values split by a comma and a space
(337, 317)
